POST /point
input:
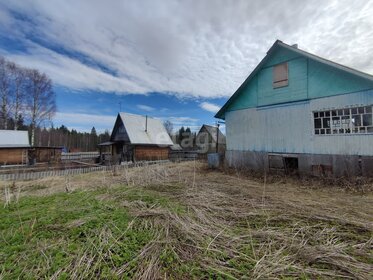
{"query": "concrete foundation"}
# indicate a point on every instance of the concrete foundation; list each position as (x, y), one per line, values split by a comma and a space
(306, 164)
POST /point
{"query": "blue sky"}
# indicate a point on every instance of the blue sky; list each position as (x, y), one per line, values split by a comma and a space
(174, 60)
(76, 108)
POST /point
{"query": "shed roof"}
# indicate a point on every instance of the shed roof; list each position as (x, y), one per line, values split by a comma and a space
(176, 147)
(108, 143)
(14, 138)
(145, 130)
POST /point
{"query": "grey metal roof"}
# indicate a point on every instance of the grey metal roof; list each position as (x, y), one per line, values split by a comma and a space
(155, 133)
(14, 138)
(106, 143)
(176, 147)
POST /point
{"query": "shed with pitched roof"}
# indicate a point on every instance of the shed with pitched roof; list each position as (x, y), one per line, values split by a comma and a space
(138, 138)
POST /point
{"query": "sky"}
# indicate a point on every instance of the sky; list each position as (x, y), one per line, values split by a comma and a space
(170, 59)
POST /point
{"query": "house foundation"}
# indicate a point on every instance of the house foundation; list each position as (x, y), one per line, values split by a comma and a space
(303, 164)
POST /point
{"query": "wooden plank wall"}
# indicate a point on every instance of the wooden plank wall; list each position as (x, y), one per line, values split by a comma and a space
(48, 155)
(151, 153)
(11, 156)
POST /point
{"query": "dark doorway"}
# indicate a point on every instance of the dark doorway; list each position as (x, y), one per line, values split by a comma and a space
(291, 165)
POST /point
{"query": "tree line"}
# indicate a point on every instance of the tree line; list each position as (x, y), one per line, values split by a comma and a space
(27, 98)
(72, 140)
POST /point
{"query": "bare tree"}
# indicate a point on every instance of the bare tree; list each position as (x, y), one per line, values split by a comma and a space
(169, 127)
(4, 94)
(41, 99)
(18, 94)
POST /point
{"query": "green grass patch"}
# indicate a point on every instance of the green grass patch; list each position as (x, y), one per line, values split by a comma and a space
(67, 233)
(99, 234)
(150, 196)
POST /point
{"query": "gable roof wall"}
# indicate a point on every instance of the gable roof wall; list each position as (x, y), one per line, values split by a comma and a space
(295, 52)
(212, 131)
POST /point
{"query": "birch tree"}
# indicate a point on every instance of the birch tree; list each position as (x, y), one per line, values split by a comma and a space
(18, 92)
(41, 99)
(4, 94)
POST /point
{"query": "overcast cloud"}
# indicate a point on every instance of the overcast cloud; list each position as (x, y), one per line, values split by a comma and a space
(188, 48)
(210, 107)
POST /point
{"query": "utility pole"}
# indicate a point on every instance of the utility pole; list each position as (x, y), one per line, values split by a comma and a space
(217, 138)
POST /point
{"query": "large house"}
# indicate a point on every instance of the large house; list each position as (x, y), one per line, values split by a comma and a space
(300, 111)
(138, 138)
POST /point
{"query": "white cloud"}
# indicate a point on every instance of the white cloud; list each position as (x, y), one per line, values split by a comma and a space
(182, 120)
(145, 108)
(84, 122)
(210, 107)
(180, 47)
(72, 73)
(177, 122)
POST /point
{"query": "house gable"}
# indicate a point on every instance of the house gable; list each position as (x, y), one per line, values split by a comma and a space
(119, 131)
(295, 90)
(207, 134)
(309, 77)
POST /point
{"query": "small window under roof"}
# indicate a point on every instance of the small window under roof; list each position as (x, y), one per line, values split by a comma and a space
(280, 75)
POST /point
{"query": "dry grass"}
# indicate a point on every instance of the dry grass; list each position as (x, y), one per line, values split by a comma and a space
(221, 225)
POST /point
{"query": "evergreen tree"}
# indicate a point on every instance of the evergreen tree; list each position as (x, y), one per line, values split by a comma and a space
(93, 131)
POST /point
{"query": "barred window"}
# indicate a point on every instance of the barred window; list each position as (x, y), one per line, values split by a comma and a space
(344, 121)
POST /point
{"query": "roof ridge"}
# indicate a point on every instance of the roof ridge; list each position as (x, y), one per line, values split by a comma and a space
(138, 115)
(324, 59)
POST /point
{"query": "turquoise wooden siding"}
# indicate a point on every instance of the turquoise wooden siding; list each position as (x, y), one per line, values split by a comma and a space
(247, 98)
(324, 80)
(296, 89)
(280, 55)
(308, 79)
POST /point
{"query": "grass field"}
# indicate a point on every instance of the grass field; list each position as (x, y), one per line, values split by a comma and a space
(183, 221)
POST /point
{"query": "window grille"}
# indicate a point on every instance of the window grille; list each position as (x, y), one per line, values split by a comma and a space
(344, 121)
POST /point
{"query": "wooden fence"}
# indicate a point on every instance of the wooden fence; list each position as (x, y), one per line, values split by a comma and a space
(79, 156)
(183, 155)
(67, 172)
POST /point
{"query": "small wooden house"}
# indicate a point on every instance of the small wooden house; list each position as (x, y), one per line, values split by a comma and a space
(210, 140)
(14, 145)
(137, 138)
(15, 149)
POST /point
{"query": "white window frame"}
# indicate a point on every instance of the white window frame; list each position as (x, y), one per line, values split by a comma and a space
(343, 121)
